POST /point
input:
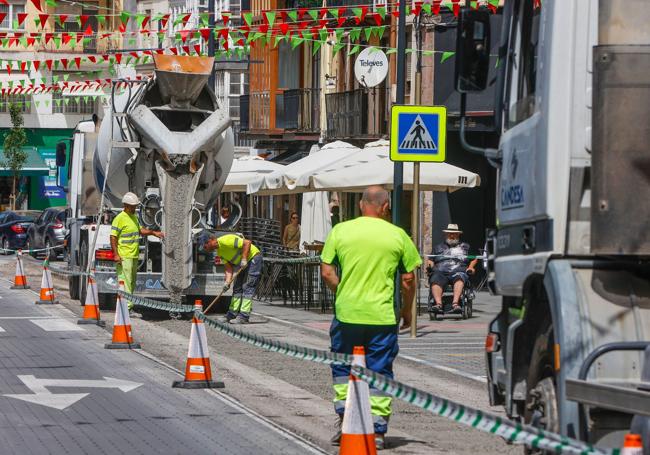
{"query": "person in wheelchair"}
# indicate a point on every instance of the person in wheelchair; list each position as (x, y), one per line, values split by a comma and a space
(450, 266)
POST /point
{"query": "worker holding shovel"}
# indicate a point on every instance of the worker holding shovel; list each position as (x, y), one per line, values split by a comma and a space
(236, 251)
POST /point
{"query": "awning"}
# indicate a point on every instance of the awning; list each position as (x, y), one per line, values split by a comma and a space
(33, 166)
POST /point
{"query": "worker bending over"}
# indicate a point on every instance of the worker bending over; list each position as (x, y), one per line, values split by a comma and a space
(236, 251)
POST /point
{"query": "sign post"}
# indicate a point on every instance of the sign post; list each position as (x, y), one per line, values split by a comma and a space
(418, 133)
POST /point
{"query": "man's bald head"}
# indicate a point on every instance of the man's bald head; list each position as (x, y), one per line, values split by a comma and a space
(374, 202)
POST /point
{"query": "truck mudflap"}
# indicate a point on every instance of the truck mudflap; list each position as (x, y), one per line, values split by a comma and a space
(151, 285)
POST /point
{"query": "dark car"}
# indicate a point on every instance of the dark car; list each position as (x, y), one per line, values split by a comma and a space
(13, 229)
(48, 231)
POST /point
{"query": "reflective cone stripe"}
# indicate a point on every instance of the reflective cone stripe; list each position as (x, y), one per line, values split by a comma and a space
(198, 358)
(357, 430)
(633, 445)
(47, 291)
(20, 280)
(122, 324)
(91, 305)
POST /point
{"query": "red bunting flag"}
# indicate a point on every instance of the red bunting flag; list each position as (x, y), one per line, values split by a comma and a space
(2, 17)
(134, 54)
(173, 50)
(37, 4)
(36, 64)
(186, 49)
(21, 18)
(43, 18)
(77, 61)
(205, 34)
(49, 64)
(66, 37)
(164, 20)
(64, 62)
(62, 18)
(48, 37)
(8, 69)
(23, 65)
(31, 41)
(284, 28)
(301, 13)
(92, 59)
(197, 49)
(88, 31)
(186, 18)
(82, 20)
(225, 15)
(118, 58)
(341, 21)
(184, 35)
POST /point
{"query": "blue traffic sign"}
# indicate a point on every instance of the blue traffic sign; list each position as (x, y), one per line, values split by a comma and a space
(418, 133)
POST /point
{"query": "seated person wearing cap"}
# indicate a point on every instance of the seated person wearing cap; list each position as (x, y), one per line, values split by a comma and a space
(450, 266)
(235, 250)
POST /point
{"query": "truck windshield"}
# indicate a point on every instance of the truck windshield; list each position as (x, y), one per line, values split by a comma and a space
(522, 62)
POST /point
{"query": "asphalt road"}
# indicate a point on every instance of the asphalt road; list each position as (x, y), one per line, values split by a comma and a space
(291, 395)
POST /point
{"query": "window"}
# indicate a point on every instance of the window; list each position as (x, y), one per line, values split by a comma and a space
(10, 22)
(62, 104)
(522, 64)
(70, 25)
(21, 100)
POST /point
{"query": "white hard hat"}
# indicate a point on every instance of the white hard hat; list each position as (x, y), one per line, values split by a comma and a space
(130, 199)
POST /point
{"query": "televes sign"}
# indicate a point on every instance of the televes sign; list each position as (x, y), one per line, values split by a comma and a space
(371, 67)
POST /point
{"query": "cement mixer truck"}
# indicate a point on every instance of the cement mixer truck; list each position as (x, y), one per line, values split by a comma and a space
(167, 140)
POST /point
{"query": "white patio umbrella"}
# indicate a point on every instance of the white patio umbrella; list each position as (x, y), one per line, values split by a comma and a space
(294, 175)
(315, 222)
(379, 171)
(246, 170)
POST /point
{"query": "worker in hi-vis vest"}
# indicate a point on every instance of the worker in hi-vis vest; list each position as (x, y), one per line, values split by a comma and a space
(125, 242)
(236, 251)
(368, 251)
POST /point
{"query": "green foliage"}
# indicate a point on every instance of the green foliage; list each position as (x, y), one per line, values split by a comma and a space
(15, 140)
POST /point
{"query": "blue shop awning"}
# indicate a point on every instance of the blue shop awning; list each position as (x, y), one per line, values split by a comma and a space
(34, 165)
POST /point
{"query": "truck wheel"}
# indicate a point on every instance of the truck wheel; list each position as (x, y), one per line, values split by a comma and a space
(73, 287)
(107, 301)
(541, 408)
(83, 261)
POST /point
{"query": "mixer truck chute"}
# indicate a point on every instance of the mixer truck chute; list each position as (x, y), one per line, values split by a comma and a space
(167, 140)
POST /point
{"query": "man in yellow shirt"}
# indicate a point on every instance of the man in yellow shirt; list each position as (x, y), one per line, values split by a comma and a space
(125, 242)
(368, 251)
(235, 251)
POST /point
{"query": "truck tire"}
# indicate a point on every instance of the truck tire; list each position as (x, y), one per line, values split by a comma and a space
(107, 301)
(73, 287)
(541, 409)
(83, 262)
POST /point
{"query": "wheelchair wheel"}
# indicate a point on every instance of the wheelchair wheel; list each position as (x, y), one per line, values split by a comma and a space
(470, 308)
(466, 313)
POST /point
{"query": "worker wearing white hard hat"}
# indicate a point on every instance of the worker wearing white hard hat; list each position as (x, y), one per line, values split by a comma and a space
(125, 242)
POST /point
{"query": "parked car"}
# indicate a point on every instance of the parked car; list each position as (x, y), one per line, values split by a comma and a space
(48, 230)
(13, 229)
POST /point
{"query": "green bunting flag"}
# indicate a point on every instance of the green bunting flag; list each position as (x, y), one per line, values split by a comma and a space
(446, 56)
(248, 17)
(354, 50)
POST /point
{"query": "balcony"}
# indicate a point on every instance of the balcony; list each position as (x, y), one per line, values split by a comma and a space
(297, 112)
(357, 114)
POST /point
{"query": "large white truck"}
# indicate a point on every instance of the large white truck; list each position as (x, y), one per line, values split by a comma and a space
(167, 140)
(570, 254)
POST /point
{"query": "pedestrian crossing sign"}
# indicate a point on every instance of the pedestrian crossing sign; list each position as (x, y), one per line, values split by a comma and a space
(418, 133)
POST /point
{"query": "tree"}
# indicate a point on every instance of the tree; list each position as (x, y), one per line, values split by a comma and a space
(14, 155)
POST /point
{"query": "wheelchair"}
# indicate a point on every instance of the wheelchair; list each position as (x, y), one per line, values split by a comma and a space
(466, 301)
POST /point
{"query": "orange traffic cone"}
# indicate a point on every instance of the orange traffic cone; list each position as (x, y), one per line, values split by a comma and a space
(91, 305)
(357, 430)
(632, 445)
(47, 288)
(122, 338)
(198, 374)
(20, 280)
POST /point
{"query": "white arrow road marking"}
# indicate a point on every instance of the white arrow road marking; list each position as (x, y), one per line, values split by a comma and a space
(61, 401)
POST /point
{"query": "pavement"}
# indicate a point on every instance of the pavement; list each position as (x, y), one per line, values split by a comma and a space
(62, 392)
(451, 344)
(278, 402)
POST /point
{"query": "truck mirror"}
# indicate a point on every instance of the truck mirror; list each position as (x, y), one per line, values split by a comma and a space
(472, 50)
(60, 154)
